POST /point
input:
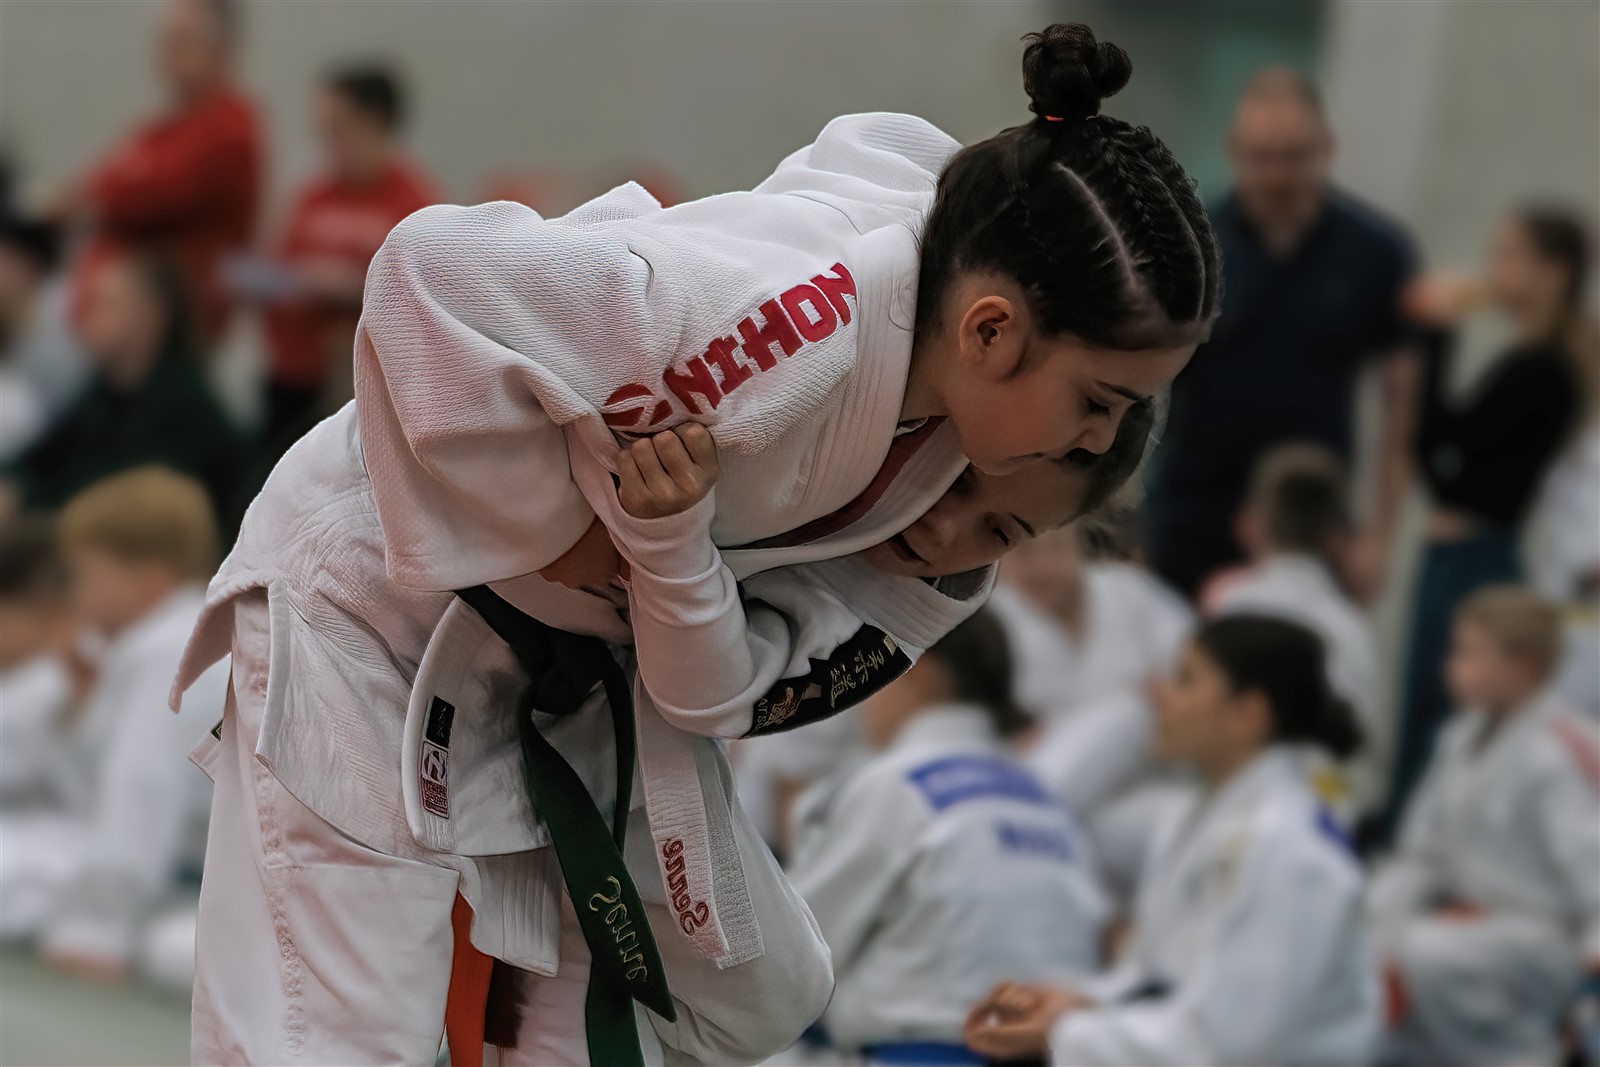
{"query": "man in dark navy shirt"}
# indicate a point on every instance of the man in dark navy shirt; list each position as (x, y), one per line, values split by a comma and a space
(1312, 286)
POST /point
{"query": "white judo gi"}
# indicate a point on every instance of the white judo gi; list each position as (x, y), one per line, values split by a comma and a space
(1490, 908)
(89, 872)
(937, 870)
(1248, 946)
(1091, 695)
(498, 355)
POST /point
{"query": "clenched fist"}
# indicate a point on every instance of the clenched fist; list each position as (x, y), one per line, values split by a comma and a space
(667, 474)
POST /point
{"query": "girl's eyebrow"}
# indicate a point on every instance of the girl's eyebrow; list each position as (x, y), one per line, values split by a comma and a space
(1025, 527)
(1126, 393)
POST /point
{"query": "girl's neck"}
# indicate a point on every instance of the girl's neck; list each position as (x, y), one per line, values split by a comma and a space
(1224, 770)
(924, 396)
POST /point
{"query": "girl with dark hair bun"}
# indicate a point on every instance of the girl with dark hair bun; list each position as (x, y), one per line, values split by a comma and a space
(1249, 941)
(882, 312)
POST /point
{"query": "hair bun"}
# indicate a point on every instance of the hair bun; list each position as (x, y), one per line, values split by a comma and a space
(1067, 73)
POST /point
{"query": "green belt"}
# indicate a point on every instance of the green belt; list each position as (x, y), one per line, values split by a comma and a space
(625, 964)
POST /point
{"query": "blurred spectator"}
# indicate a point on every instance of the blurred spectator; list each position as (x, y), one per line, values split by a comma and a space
(1483, 458)
(147, 402)
(1084, 629)
(336, 224)
(1312, 292)
(185, 185)
(1248, 944)
(34, 683)
(942, 866)
(1490, 909)
(40, 368)
(1294, 526)
(1091, 635)
(139, 548)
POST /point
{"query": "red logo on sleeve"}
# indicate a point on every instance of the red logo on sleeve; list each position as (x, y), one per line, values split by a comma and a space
(780, 327)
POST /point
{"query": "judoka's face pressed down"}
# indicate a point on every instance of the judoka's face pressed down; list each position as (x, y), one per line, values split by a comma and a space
(1019, 395)
(982, 517)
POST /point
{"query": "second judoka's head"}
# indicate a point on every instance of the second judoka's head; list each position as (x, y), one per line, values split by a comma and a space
(984, 516)
(1068, 269)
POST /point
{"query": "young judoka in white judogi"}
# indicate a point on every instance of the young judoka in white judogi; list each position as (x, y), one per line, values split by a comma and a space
(1293, 525)
(942, 866)
(499, 356)
(1091, 690)
(1085, 628)
(1488, 914)
(1248, 943)
(112, 857)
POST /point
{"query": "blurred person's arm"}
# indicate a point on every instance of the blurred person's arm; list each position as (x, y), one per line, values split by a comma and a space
(1407, 883)
(1563, 808)
(1367, 565)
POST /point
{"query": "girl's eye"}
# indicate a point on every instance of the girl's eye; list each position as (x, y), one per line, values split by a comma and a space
(1096, 408)
(1000, 535)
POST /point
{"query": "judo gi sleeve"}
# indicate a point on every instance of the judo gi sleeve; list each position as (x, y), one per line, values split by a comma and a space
(1563, 811)
(484, 331)
(726, 661)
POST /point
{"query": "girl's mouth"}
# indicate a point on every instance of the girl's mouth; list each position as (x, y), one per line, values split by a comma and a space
(903, 549)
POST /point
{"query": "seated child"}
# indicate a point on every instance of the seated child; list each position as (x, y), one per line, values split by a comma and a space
(942, 866)
(137, 547)
(1248, 944)
(1294, 526)
(1489, 912)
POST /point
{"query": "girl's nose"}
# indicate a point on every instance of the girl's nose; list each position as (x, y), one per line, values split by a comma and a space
(1097, 435)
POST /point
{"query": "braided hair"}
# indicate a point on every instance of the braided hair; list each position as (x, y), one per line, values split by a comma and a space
(1093, 218)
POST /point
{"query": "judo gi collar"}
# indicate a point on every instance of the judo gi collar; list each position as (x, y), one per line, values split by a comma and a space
(625, 962)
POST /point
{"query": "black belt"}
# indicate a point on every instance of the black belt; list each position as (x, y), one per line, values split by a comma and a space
(625, 964)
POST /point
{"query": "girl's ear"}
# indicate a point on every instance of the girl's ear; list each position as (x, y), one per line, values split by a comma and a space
(992, 338)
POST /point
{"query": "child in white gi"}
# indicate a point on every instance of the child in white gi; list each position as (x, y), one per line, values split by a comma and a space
(1295, 526)
(942, 866)
(1488, 914)
(1248, 944)
(880, 311)
(137, 546)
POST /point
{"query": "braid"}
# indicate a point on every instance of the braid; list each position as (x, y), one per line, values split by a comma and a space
(1173, 263)
(1092, 217)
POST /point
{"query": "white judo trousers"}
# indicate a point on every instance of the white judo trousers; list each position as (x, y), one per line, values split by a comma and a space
(314, 949)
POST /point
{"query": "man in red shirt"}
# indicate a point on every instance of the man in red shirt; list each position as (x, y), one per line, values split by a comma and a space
(185, 185)
(336, 224)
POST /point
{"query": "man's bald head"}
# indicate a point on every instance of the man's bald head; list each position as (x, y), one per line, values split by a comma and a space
(1281, 149)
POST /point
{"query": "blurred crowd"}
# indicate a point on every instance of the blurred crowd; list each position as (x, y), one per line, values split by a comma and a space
(1158, 803)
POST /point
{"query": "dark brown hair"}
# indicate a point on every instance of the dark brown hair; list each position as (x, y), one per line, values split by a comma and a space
(1092, 217)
